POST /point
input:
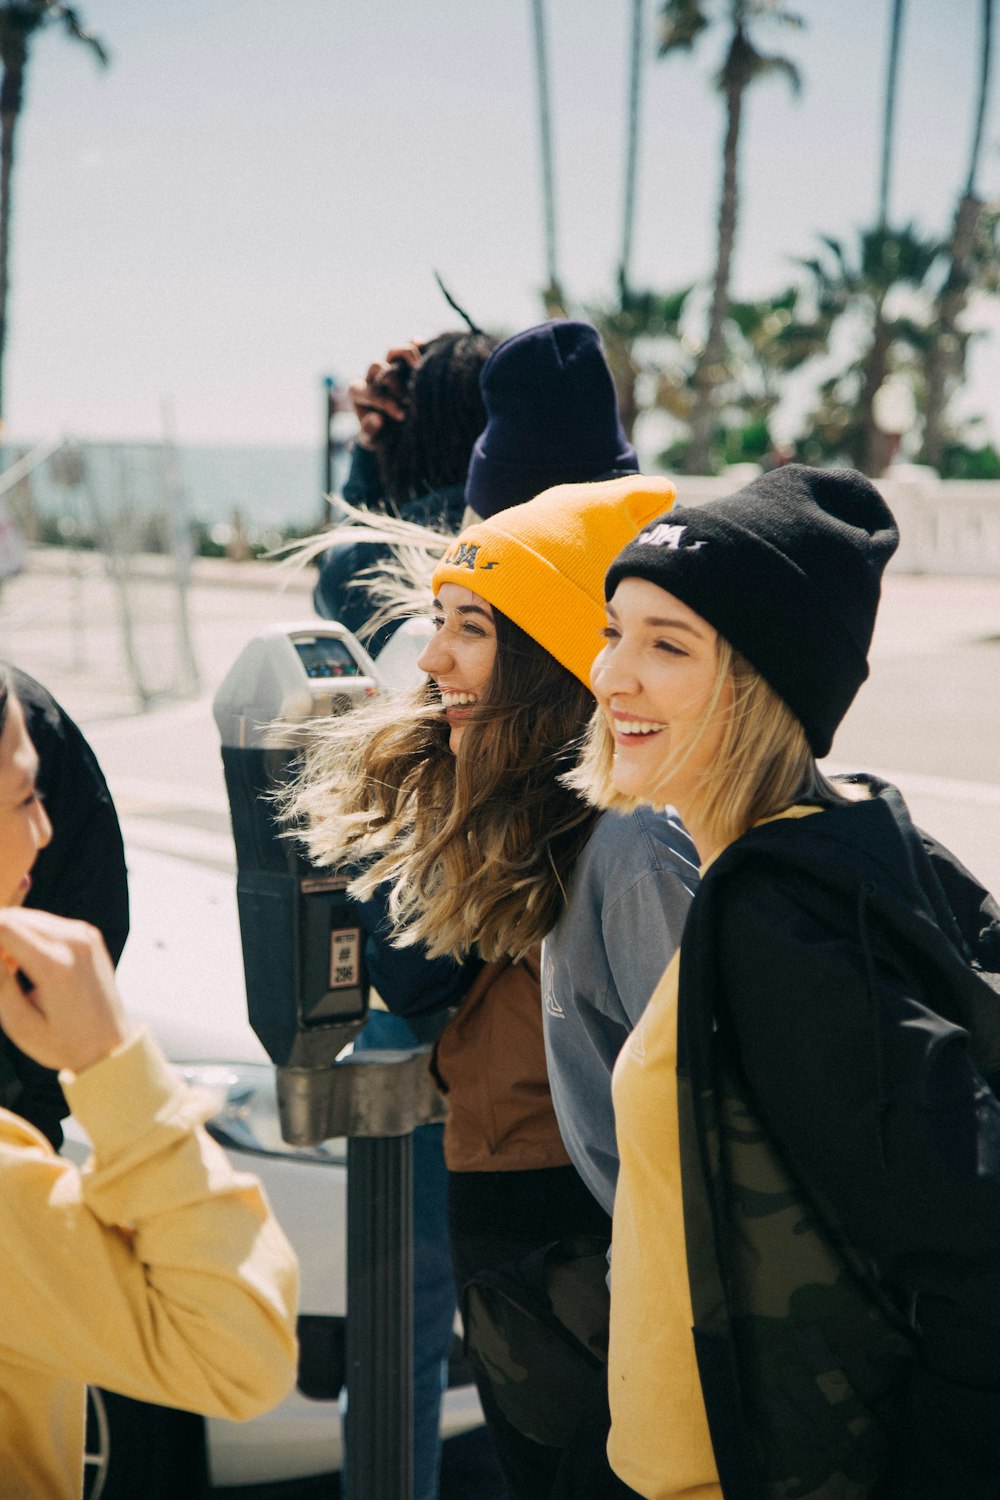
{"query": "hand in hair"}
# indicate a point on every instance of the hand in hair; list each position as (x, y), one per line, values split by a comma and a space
(58, 1001)
(380, 393)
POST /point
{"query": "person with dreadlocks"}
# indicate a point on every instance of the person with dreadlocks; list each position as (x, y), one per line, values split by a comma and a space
(419, 412)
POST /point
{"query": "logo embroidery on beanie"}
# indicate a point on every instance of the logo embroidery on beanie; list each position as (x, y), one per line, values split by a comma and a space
(664, 535)
(464, 556)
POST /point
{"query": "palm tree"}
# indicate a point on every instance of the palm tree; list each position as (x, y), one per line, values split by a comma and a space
(642, 340)
(681, 24)
(552, 295)
(631, 146)
(972, 260)
(766, 341)
(19, 21)
(640, 330)
(859, 290)
(889, 110)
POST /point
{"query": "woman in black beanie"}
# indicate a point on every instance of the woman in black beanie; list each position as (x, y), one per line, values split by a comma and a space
(806, 1251)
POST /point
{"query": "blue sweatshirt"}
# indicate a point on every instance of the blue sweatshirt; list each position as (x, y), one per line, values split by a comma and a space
(628, 901)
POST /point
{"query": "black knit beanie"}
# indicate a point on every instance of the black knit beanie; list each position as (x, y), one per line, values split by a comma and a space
(552, 418)
(788, 571)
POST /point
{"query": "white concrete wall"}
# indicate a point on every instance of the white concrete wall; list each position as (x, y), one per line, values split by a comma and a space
(946, 526)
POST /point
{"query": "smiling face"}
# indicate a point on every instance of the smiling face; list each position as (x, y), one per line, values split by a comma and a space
(460, 658)
(24, 824)
(655, 681)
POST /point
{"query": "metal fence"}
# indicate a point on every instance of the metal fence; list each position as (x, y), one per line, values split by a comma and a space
(107, 531)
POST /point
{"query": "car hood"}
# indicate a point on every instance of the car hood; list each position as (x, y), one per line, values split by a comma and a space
(182, 970)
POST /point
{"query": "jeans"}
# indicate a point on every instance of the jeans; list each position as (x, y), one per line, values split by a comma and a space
(433, 1279)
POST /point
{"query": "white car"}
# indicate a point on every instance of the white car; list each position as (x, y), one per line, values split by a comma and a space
(182, 974)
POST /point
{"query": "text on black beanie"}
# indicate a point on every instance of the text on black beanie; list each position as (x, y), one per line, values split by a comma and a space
(788, 570)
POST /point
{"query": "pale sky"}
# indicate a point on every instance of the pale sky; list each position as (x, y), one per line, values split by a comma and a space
(254, 194)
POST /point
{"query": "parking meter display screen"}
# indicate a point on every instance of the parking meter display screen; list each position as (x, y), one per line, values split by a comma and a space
(323, 656)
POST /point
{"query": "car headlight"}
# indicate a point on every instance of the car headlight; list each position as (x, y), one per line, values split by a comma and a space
(246, 1113)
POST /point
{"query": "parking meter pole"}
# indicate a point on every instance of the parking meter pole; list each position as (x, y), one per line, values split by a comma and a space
(376, 1100)
(380, 1318)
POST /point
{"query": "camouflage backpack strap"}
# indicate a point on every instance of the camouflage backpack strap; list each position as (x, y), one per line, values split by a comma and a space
(804, 1362)
(823, 1356)
(537, 1332)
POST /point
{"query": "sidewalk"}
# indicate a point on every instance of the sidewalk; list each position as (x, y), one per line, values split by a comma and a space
(929, 716)
(63, 621)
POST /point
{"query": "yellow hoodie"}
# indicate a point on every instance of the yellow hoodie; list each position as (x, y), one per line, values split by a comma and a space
(157, 1271)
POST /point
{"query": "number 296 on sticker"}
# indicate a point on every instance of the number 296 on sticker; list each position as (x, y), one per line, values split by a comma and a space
(345, 958)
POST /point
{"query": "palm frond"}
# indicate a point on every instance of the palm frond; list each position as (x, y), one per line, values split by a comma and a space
(74, 27)
(681, 24)
(769, 66)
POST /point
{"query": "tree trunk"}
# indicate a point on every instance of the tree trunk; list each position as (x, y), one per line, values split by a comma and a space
(889, 112)
(631, 147)
(553, 288)
(15, 58)
(710, 369)
(625, 374)
(945, 362)
(873, 449)
(985, 57)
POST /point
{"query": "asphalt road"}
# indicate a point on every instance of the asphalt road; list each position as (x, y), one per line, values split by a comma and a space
(929, 716)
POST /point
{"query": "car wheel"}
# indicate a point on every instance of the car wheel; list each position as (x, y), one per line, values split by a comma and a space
(136, 1449)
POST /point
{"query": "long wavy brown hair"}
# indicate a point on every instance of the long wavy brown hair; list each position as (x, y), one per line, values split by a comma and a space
(478, 847)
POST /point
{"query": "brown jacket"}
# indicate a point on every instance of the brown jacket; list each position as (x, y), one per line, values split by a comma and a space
(490, 1063)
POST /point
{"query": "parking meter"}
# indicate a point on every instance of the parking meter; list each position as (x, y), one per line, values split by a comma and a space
(303, 953)
(303, 950)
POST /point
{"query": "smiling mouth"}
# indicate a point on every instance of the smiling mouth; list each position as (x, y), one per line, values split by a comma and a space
(450, 701)
(637, 728)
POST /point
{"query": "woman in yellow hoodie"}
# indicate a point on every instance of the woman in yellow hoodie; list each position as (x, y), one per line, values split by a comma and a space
(805, 1267)
(158, 1271)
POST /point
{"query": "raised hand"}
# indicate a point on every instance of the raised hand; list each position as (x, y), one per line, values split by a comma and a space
(58, 1001)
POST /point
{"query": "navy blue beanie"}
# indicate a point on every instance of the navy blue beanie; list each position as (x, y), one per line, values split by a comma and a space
(552, 418)
(788, 570)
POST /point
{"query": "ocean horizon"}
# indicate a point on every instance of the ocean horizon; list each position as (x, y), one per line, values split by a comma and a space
(277, 487)
(273, 487)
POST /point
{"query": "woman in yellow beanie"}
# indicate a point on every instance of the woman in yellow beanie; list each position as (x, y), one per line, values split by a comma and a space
(453, 802)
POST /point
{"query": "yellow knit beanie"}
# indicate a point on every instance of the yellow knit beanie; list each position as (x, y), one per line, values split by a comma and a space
(542, 564)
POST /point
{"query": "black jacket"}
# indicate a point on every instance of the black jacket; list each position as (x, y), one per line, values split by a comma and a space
(421, 990)
(826, 984)
(81, 873)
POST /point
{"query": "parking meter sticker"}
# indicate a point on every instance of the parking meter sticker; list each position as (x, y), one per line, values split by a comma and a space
(345, 958)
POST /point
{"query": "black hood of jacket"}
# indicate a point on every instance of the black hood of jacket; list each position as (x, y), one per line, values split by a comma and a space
(900, 880)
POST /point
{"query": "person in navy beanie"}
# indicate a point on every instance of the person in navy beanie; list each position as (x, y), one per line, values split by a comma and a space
(552, 418)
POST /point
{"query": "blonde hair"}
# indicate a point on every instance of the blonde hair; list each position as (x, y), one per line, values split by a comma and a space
(764, 764)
